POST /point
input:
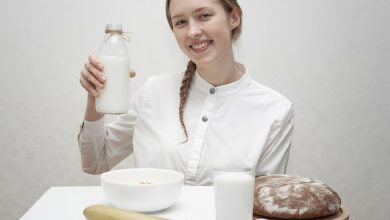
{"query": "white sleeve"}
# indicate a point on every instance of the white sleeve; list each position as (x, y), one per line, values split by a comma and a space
(274, 158)
(104, 146)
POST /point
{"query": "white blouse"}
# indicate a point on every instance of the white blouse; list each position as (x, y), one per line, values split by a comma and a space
(241, 124)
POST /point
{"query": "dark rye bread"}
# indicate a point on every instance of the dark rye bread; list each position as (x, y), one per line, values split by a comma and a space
(293, 197)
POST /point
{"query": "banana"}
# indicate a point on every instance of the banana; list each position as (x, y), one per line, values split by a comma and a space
(104, 212)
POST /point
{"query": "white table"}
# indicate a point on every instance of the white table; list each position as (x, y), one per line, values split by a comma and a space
(68, 203)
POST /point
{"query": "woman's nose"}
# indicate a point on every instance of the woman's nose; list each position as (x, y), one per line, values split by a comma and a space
(194, 30)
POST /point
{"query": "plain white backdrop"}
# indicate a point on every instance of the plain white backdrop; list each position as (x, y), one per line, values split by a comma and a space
(329, 57)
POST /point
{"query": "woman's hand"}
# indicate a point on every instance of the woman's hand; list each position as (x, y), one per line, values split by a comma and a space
(92, 77)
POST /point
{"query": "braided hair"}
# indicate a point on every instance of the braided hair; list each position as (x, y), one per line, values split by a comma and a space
(184, 89)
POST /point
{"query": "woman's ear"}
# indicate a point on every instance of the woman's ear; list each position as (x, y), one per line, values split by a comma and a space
(235, 19)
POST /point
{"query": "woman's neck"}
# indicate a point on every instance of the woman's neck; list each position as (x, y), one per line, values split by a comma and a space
(219, 74)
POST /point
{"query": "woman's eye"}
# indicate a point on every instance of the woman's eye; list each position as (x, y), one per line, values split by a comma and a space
(204, 16)
(179, 22)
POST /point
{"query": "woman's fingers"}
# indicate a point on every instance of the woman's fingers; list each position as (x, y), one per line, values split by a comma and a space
(95, 61)
(132, 73)
(95, 72)
(92, 79)
(95, 67)
(90, 83)
(87, 85)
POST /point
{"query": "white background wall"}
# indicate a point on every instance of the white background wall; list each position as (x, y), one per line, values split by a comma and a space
(329, 57)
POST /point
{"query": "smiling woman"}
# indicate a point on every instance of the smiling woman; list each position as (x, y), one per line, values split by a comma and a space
(204, 31)
(209, 116)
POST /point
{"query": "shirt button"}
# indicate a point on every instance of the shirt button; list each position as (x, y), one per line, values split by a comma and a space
(204, 118)
(212, 90)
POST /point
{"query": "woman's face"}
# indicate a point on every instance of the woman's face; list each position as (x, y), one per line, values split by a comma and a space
(202, 29)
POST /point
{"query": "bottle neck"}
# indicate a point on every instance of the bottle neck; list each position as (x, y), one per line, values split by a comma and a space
(113, 31)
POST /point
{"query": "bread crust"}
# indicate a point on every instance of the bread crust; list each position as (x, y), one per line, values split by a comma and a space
(294, 197)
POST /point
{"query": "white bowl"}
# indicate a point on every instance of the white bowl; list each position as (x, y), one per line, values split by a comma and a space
(142, 189)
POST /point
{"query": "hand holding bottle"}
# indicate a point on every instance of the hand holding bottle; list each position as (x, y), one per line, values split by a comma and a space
(104, 76)
(92, 76)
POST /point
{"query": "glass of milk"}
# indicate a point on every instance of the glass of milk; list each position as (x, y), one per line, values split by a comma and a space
(233, 191)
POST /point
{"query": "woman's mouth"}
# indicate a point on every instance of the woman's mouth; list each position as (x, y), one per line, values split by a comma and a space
(200, 47)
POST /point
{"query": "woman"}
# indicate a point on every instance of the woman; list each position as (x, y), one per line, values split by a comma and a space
(212, 115)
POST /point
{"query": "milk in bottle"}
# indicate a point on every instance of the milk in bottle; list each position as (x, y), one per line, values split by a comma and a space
(114, 97)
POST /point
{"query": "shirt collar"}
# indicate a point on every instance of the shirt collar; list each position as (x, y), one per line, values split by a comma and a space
(223, 90)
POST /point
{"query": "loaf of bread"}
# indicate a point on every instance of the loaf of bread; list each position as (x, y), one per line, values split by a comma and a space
(294, 197)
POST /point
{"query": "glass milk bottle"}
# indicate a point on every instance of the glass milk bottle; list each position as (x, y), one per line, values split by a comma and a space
(113, 52)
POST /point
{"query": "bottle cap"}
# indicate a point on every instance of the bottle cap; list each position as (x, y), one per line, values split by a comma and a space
(114, 28)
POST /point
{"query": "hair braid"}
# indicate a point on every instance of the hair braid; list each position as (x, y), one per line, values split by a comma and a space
(184, 88)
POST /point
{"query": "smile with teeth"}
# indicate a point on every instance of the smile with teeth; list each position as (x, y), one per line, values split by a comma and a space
(201, 46)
